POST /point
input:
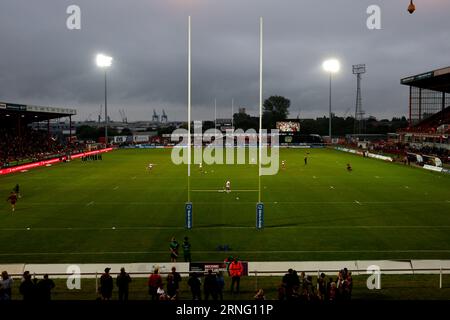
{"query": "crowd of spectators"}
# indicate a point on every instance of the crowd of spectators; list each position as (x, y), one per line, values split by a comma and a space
(31, 289)
(29, 146)
(202, 286)
(301, 287)
(400, 150)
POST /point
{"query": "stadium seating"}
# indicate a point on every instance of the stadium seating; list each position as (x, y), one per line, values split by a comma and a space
(29, 146)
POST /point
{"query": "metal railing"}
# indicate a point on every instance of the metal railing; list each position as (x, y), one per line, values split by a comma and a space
(255, 273)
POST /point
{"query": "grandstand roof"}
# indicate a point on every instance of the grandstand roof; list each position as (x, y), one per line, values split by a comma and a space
(30, 113)
(437, 80)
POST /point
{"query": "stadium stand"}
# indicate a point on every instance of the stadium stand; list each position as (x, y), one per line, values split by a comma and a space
(427, 135)
(20, 144)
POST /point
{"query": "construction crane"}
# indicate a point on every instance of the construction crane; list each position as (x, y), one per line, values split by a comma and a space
(123, 116)
(164, 117)
(100, 114)
(155, 117)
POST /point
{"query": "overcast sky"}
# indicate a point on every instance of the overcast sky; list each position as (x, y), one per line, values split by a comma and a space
(44, 63)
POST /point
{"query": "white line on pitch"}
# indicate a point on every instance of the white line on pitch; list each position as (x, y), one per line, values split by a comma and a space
(228, 227)
(90, 203)
(68, 203)
(224, 191)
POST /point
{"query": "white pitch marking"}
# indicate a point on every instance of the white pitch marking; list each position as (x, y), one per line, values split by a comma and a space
(437, 227)
(90, 203)
(221, 190)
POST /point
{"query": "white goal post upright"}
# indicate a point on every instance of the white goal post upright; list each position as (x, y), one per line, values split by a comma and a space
(260, 205)
(188, 206)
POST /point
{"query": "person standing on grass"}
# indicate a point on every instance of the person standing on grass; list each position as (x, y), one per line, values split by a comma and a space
(236, 271)
(186, 250)
(123, 280)
(27, 288)
(6, 283)
(172, 287)
(176, 279)
(220, 285)
(210, 285)
(44, 288)
(106, 285)
(195, 285)
(154, 282)
(12, 199)
(173, 246)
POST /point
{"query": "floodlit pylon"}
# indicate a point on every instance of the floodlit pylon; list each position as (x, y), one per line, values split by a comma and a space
(358, 70)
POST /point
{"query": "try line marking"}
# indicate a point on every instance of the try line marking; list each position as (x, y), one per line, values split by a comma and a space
(221, 190)
(114, 228)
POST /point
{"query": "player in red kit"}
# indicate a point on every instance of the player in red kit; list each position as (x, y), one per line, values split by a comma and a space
(12, 199)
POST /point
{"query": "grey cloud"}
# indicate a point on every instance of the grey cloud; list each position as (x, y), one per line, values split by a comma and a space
(44, 63)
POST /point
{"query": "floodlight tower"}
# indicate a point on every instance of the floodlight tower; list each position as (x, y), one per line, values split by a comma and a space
(358, 70)
(105, 62)
(331, 66)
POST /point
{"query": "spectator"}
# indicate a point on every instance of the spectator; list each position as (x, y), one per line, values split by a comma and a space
(161, 294)
(27, 288)
(106, 285)
(236, 271)
(123, 281)
(332, 294)
(172, 287)
(322, 287)
(348, 286)
(308, 288)
(44, 288)
(291, 283)
(176, 278)
(220, 285)
(195, 285)
(210, 285)
(186, 250)
(6, 283)
(154, 282)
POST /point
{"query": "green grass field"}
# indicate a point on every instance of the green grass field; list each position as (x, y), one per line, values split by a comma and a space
(314, 212)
